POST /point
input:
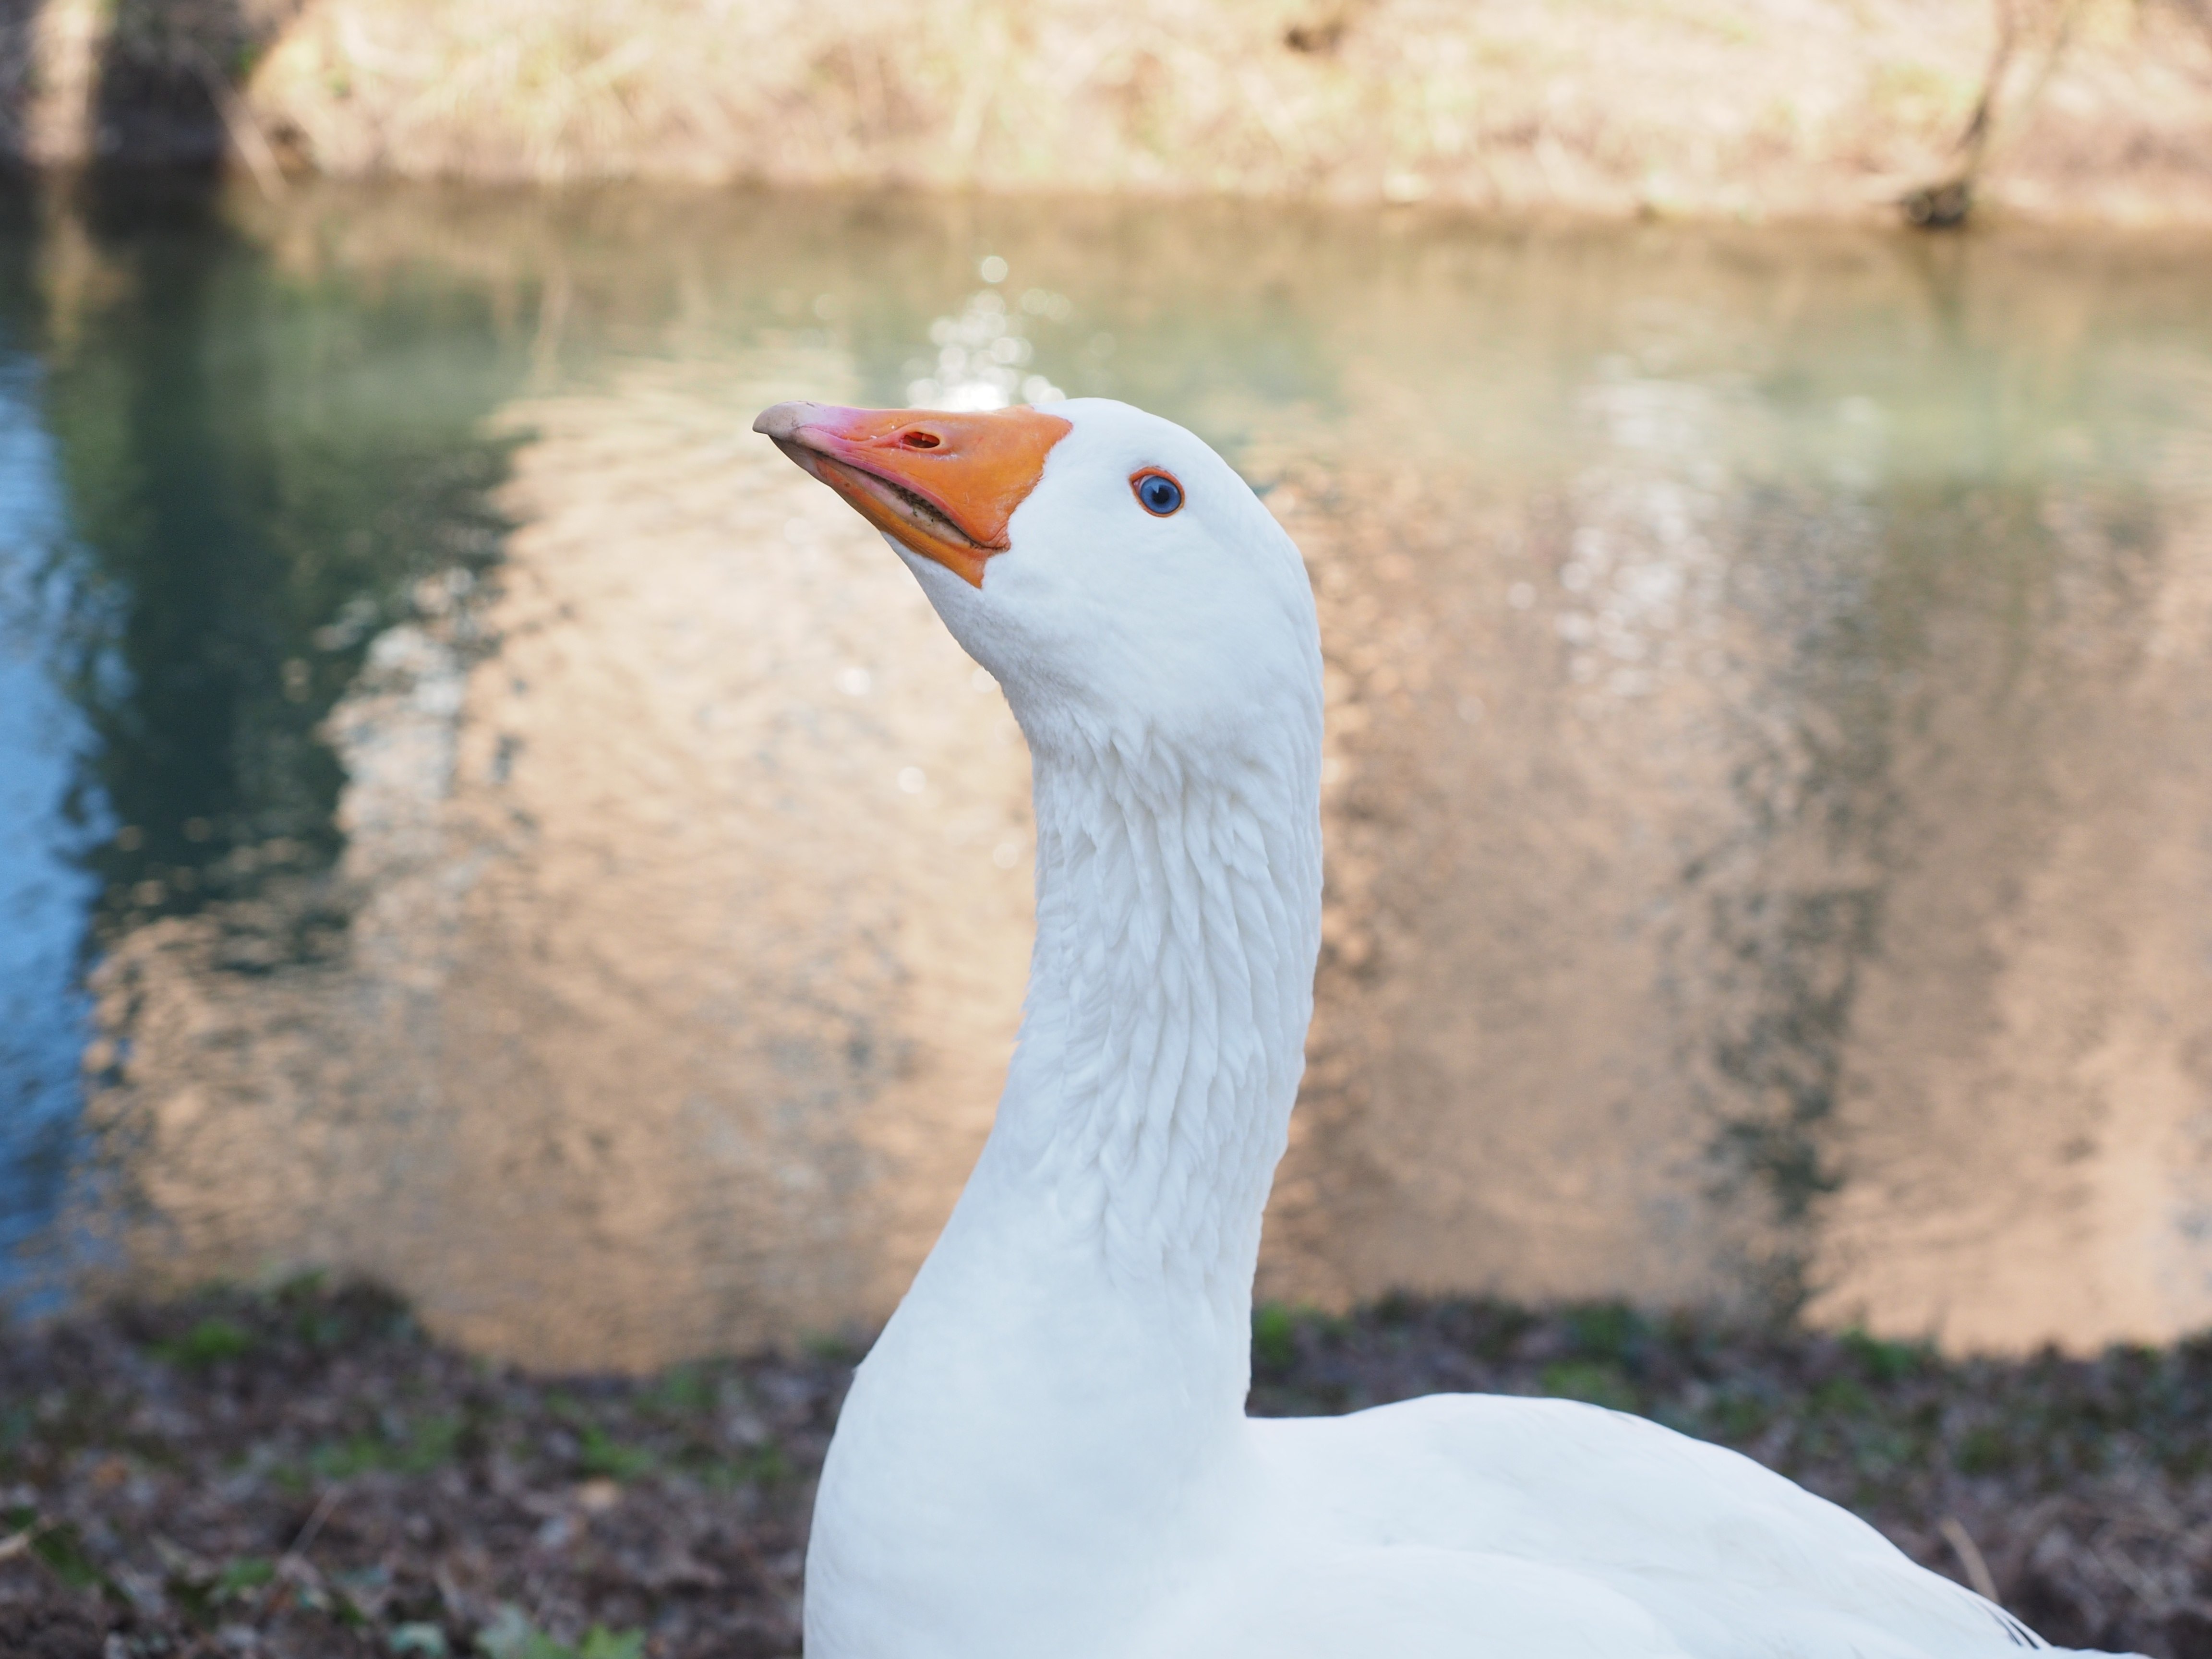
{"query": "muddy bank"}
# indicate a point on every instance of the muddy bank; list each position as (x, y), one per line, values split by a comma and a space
(2064, 108)
(302, 1471)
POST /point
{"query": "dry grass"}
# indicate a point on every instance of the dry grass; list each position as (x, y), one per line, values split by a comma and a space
(1705, 106)
(1697, 107)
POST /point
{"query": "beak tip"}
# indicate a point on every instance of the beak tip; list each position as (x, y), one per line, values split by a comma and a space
(782, 421)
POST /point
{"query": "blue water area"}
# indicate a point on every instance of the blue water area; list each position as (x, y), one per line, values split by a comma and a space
(52, 818)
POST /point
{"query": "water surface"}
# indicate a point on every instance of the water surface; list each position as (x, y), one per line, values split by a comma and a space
(528, 843)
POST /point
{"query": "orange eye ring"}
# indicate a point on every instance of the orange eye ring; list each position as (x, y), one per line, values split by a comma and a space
(1157, 490)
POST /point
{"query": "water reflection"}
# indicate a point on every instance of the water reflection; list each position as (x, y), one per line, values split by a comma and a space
(255, 463)
(53, 821)
(1766, 796)
(220, 480)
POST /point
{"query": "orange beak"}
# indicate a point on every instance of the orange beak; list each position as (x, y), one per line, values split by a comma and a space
(940, 485)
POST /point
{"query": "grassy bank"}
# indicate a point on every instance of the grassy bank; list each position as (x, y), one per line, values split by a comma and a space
(302, 1472)
(2063, 108)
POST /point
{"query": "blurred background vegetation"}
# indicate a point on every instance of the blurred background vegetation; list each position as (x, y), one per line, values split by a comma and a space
(1747, 107)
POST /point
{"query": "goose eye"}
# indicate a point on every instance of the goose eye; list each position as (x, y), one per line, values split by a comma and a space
(1157, 492)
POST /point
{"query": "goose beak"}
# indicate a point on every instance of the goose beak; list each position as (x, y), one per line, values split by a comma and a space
(940, 485)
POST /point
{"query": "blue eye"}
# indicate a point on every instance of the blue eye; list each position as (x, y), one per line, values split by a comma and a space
(1157, 493)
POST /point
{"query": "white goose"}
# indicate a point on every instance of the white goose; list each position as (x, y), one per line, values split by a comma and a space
(1047, 1457)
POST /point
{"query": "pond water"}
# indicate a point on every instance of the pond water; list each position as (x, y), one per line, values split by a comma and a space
(474, 817)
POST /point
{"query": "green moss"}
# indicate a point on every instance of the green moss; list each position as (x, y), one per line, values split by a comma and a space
(1842, 1396)
(418, 1449)
(1886, 1362)
(1607, 1330)
(765, 1466)
(684, 1391)
(56, 1544)
(1736, 1414)
(1274, 1337)
(242, 1576)
(600, 1455)
(1984, 1449)
(1598, 1382)
(15, 1425)
(207, 1343)
(511, 1636)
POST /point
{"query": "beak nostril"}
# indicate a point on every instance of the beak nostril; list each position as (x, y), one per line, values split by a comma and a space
(919, 440)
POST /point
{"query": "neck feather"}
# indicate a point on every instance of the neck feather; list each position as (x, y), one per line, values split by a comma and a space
(1178, 917)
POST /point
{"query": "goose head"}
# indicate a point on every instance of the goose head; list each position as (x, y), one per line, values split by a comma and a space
(1123, 585)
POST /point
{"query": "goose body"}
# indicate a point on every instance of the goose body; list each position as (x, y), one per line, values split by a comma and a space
(1046, 1456)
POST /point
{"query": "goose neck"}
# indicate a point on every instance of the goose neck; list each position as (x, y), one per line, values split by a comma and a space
(1178, 917)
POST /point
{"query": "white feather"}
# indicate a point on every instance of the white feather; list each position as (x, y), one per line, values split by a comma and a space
(1046, 1455)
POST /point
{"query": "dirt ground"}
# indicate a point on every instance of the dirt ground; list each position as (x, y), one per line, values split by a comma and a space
(302, 1472)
